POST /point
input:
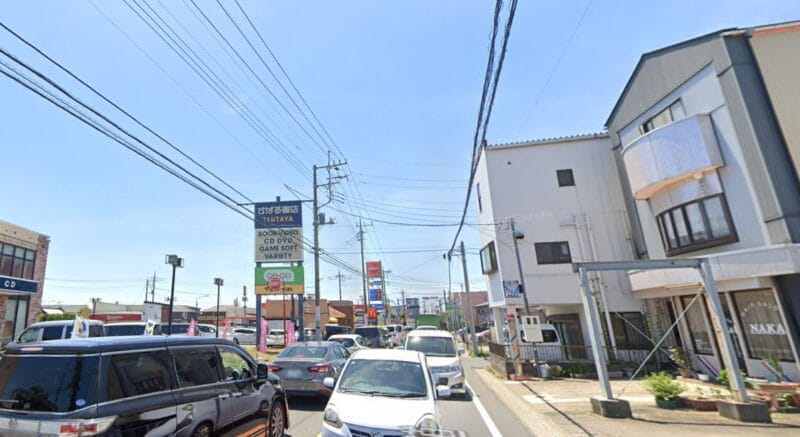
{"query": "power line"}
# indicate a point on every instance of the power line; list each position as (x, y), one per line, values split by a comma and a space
(484, 94)
(555, 66)
(116, 106)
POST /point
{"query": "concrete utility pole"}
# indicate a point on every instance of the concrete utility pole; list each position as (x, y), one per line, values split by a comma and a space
(446, 313)
(319, 220)
(518, 236)
(363, 269)
(218, 282)
(405, 315)
(471, 325)
(339, 276)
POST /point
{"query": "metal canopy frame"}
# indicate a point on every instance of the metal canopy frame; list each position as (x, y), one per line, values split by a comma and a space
(703, 267)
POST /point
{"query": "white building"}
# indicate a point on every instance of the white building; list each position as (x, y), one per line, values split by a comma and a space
(706, 136)
(564, 195)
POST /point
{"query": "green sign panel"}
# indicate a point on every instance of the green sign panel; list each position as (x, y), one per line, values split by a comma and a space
(280, 280)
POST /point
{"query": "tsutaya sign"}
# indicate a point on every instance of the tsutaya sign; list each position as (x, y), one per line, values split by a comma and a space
(279, 232)
(279, 280)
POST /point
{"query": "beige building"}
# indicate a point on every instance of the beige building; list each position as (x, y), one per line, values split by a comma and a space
(23, 261)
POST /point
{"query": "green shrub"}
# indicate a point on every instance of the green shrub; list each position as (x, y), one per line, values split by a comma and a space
(724, 378)
(663, 386)
(576, 369)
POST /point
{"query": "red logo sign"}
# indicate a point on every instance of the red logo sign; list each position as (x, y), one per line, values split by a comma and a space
(372, 313)
(374, 269)
(275, 283)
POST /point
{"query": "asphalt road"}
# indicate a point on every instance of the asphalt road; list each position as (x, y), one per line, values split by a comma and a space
(478, 414)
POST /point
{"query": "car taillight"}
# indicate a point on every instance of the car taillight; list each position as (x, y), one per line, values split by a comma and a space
(78, 428)
(274, 368)
(322, 369)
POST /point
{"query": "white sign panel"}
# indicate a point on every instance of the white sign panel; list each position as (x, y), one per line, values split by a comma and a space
(152, 311)
(279, 244)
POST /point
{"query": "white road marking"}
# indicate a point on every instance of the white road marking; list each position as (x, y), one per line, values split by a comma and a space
(487, 419)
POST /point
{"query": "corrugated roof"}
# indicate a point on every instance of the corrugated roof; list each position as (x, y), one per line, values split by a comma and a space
(552, 140)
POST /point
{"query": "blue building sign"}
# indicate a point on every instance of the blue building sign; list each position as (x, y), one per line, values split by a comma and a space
(17, 285)
(279, 214)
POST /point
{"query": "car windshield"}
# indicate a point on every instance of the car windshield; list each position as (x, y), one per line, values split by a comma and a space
(383, 378)
(117, 330)
(304, 352)
(276, 332)
(346, 342)
(367, 332)
(432, 346)
(48, 383)
(177, 329)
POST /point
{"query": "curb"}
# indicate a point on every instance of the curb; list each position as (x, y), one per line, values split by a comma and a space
(525, 414)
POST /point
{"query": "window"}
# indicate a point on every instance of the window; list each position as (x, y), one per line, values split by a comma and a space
(30, 335)
(488, 258)
(48, 383)
(553, 253)
(696, 225)
(197, 368)
(764, 331)
(16, 261)
(549, 336)
(673, 113)
(565, 178)
(137, 374)
(480, 199)
(695, 320)
(52, 333)
(235, 366)
(627, 327)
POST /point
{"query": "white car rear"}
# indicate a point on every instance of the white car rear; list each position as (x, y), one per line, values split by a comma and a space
(351, 342)
(276, 337)
(442, 355)
(383, 392)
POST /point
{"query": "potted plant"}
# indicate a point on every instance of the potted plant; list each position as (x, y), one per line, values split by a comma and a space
(577, 370)
(665, 389)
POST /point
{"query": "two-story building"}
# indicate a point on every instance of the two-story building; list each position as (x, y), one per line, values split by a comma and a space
(23, 261)
(707, 139)
(565, 200)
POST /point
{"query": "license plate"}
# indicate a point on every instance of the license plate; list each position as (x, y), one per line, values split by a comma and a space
(294, 373)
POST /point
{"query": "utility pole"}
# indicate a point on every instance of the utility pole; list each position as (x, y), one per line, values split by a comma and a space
(319, 220)
(218, 282)
(518, 236)
(339, 276)
(405, 314)
(471, 325)
(146, 288)
(244, 305)
(363, 271)
(94, 304)
(446, 313)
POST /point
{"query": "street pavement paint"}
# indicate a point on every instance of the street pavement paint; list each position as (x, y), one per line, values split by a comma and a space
(487, 419)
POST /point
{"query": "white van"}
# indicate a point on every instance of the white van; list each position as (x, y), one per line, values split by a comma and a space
(56, 330)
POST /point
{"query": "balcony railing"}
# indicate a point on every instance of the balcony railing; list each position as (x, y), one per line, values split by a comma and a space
(670, 154)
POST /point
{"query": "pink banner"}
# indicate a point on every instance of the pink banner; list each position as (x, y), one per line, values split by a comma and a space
(192, 328)
(262, 339)
(226, 329)
(290, 333)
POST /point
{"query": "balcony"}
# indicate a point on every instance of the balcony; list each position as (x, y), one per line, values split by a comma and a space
(670, 154)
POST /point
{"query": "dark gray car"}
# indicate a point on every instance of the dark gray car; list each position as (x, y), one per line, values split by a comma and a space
(182, 386)
(302, 367)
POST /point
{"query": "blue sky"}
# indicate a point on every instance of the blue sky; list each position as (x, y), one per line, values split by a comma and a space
(396, 84)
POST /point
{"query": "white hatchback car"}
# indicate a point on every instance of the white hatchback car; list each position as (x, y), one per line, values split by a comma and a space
(351, 342)
(383, 392)
(442, 355)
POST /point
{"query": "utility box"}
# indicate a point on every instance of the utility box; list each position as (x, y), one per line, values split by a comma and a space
(531, 329)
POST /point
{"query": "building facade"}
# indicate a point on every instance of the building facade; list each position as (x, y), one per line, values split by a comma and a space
(565, 200)
(23, 262)
(706, 135)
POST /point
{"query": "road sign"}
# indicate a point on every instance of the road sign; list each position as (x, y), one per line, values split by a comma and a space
(18, 285)
(279, 245)
(279, 215)
(276, 281)
(374, 269)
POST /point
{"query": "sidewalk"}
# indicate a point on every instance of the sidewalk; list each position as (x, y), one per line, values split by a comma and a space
(561, 408)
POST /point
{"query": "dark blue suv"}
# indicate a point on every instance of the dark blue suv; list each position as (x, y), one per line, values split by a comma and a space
(134, 386)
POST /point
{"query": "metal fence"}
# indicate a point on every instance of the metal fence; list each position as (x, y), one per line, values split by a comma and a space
(568, 353)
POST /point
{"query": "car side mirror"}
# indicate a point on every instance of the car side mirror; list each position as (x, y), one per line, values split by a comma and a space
(262, 370)
(461, 351)
(329, 382)
(443, 391)
(442, 381)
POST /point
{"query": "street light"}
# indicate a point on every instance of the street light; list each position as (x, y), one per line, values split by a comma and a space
(197, 299)
(218, 282)
(175, 261)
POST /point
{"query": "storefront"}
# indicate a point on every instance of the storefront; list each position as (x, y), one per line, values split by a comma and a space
(23, 259)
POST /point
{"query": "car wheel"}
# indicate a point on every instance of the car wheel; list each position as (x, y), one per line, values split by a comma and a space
(277, 420)
(203, 430)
